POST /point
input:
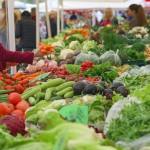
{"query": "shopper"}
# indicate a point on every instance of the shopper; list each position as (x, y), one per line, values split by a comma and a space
(17, 57)
(108, 18)
(33, 14)
(26, 31)
(53, 23)
(138, 16)
(73, 16)
(3, 30)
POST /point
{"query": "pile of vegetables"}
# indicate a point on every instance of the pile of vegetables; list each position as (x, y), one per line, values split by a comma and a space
(84, 72)
(14, 106)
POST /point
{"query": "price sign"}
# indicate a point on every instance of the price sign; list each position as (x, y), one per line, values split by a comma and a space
(75, 113)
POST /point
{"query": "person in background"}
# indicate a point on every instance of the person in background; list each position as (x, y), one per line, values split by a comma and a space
(4, 6)
(108, 18)
(33, 14)
(53, 23)
(81, 17)
(26, 31)
(73, 16)
(3, 30)
(138, 16)
(16, 57)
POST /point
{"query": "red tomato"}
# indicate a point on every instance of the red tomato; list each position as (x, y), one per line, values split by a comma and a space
(4, 109)
(18, 113)
(24, 117)
(11, 107)
(4, 71)
(23, 106)
(14, 98)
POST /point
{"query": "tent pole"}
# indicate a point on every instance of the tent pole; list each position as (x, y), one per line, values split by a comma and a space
(11, 29)
(37, 24)
(47, 20)
(93, 17)
(62, 16)
(58, 17)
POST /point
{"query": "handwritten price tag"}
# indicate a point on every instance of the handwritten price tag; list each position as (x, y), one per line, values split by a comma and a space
(75, 113)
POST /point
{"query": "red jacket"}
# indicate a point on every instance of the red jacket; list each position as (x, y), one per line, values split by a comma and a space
(17, 57)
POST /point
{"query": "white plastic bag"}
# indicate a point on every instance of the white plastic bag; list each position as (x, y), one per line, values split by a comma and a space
(116, 108)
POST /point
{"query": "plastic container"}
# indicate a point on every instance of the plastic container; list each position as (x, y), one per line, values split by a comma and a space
(135, 63)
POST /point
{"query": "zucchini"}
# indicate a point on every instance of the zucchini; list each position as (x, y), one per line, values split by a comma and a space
(4, 98)
(6, 91)
(48, 94)
(52, 89)
(69, 94)
(32, 101)
(51, 83)
(31, 93)
(65, 85)
(56, 98)
(63, 92)
(39, 95)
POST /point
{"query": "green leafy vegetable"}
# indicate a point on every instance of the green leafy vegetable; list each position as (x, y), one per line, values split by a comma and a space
(74, 69)
(105, 70)
(134, 122)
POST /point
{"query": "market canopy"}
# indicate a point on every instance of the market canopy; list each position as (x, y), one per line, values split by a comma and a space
(90, 4)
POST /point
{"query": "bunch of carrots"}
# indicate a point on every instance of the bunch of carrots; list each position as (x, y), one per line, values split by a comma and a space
(84, 32)
(46, 49)
(18, 82)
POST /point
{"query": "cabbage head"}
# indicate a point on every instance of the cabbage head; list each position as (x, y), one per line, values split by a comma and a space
(90, 56)
(89, 45)
(112, 57)
(74, 45)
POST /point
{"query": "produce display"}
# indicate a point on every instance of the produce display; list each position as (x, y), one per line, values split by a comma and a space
(91, 92)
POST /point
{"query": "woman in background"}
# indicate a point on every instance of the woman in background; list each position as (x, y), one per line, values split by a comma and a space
(3, 31)
(138, 16)
(108, 18)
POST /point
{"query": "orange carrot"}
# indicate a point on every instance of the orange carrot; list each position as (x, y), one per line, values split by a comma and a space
(19, 74)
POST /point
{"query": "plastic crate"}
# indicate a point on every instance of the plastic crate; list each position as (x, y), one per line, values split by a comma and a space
(135, 63)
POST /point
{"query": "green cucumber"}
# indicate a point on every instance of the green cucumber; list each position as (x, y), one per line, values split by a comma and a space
(56, 98)
(44, 86)
(52, 83)
(40, 95)
(6, 91)
(48, 94)
(69, 94)
(65, 85)
(32, 101)
(63, 92)
(52, 89)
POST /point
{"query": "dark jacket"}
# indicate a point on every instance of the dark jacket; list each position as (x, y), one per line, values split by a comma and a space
(26, 31)
(53, 25)
(18, 57)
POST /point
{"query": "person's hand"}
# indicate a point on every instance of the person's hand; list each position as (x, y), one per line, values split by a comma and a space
(38, 53)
